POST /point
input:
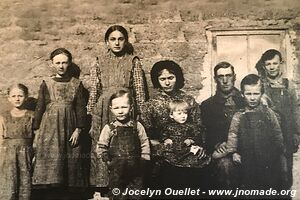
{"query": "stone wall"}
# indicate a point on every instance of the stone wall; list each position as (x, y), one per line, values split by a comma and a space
(158, 29)
(166, 29)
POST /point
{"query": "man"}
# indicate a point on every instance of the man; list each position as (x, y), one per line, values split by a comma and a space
(217, 112)
(282, 94)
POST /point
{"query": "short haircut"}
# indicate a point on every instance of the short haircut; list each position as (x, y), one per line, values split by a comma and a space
(121, 93)
(251, 79)
(172, 67)
(61, 51)
(223, 65)
(178, 104)
(19, 86)
(270, 54)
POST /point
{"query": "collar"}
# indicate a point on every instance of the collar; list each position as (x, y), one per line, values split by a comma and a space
(278, 82)
(110, 54)
(174, 93)
(118, 123)
(221, 98)
(260, 107)
(65, 78)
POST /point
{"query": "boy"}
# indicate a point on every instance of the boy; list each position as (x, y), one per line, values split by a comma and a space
(182, 153)
(283, 96)
(123, 145)
(255, 139)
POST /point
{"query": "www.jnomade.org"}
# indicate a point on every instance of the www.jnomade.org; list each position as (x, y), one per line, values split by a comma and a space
(196, 192)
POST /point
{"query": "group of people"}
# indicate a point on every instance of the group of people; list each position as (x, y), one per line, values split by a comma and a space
(234, 139)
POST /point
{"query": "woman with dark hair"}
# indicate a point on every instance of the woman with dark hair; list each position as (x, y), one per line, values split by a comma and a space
(59, 118)
(168, 80)
(116, 68)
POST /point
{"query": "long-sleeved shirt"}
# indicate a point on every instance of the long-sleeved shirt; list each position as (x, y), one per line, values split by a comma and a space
(235, 128)
(106, 135)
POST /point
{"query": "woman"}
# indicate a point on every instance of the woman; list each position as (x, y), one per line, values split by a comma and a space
(115, 69)
(167, 79)
(60, 117)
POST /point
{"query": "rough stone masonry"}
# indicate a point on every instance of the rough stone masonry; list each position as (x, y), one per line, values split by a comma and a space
(158, 29)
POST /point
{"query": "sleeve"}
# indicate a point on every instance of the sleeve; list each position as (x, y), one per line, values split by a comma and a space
(104, 139)
(196, 114)
(146, 118)
(139, 83)
(165, 133)
(80, 107)
(145, 145)
(2, 128)
(197, 135)
(276, 130)
(295, 107)
(96, 89)
(43, 100)
(232, 141)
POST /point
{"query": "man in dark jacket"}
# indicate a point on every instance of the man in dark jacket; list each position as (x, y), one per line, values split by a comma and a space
(217, 112)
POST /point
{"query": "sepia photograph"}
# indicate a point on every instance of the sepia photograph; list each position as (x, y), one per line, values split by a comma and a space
(149, 99)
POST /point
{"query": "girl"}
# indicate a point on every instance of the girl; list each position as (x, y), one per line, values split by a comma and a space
(16, 136)
(59, 116)
(116, 68)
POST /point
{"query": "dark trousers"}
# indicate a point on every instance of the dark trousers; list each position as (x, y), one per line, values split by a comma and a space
(125, 174)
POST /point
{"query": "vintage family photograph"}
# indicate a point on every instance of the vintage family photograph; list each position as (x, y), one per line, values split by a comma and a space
(149, 99)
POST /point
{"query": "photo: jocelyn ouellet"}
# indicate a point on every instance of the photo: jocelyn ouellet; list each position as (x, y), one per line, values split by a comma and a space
(149, 99)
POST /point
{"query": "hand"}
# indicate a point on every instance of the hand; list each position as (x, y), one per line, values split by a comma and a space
(36, 135)
(33, 161)
(154, 142)
(236, 158)
(105, 157)
(168, 142)
(189, 142)
(74, 139)
(221, 148)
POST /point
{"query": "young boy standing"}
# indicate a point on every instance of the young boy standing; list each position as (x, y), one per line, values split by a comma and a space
(255, 139)
(124, 146)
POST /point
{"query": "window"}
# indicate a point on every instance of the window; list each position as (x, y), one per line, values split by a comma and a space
(243, 48)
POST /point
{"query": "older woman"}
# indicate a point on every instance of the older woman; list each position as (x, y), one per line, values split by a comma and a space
(168, 80)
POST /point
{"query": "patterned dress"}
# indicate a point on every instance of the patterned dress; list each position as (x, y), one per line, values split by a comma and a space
(60, 110)
(155, 113)
(15, 156)
(178, 154)
(155, 118)
(109, 74)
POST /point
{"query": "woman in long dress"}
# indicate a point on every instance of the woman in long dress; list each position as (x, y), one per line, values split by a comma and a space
(116, 68)
(60, 116)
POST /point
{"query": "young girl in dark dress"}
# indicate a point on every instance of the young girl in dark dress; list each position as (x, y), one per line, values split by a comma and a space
(59, 117)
